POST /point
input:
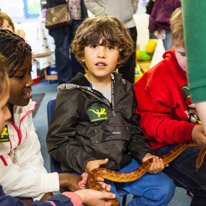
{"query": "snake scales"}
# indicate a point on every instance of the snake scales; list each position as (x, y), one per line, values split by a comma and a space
(139, 172)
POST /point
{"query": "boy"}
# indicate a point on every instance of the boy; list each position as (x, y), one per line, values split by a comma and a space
(168, 116)
(94, 122)
(89, 197)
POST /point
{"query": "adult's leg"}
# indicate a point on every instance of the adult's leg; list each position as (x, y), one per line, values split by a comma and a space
(182, 170)
(168, 41)
(75, 65)
(127, 69)
(150, 189)
(62, 56)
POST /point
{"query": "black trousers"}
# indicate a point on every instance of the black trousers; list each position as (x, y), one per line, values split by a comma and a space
(127, 69)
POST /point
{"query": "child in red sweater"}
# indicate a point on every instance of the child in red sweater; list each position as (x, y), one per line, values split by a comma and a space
(168, 116)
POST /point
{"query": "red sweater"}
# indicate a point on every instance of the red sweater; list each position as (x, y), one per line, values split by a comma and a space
(162, 104)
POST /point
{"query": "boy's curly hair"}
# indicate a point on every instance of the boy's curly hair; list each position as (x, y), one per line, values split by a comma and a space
(14, 48)
(176, 26)
(4, 80)
(106, 28)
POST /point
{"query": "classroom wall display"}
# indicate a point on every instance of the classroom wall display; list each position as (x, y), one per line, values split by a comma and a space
(32, 8)
(14, 8)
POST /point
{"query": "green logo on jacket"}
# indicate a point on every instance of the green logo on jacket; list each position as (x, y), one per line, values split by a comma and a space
(97, 113)
(4, 135)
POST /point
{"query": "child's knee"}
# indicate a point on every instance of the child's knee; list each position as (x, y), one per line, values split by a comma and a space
(167, 190)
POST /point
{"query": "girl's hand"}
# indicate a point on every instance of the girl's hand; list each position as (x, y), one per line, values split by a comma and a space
(69, 180)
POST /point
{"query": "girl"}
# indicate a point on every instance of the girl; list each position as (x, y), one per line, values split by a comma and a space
(6, 23)
(22, 173)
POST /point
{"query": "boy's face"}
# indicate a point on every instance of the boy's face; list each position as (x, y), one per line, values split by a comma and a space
(101, 60)
(181, 57)
(4, 111)
(6, 25)
(20, 84)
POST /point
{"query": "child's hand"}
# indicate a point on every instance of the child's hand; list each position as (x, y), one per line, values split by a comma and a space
(157, 164)
(69, 180)
(95, 164)
(105, 186)
(198, 136)
(93, 197)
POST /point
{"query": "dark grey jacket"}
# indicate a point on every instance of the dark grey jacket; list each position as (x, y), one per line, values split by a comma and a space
(85, 126)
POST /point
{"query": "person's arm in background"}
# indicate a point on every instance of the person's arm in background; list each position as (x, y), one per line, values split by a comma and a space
(135, 5)
(95, 7)
(195, 43)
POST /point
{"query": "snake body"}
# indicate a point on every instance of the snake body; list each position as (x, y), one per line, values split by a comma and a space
(139, 172)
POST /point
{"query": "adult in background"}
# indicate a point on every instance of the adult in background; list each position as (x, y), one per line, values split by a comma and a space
(124, 11)
(195, 43)
(159, 22)
(66, 63)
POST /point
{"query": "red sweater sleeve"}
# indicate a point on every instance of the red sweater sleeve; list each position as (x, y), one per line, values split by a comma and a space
(162, 108)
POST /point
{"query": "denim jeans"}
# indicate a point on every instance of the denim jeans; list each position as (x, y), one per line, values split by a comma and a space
(168, 41)
(182, 170)
(150, 189)
(66, 63)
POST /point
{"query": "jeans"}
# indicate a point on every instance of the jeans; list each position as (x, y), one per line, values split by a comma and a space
(168, 41)
(182, 170)
(127, 68)
(66, 63)
(150, 189)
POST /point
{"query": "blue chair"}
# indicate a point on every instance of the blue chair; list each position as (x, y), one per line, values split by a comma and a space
(55, 166)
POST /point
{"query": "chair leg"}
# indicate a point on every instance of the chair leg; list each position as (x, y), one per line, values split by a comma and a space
(124, 200)
(189, 193)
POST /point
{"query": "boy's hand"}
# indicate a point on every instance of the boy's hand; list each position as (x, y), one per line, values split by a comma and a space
(198, 136)
(105, 186)
(157, 164)
(93, 197)
(95, 164)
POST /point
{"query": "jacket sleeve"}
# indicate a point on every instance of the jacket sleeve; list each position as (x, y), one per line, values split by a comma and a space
(156, 105)
(26, 173)
(57, 200)
(138, 146)
(95, 7)
(62, 140)
(135, 5)
(193, 21)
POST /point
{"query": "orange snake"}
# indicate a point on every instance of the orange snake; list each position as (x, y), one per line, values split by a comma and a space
(139, 172)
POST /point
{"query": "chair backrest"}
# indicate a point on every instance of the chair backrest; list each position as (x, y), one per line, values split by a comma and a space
(50, 107)
(54, 165)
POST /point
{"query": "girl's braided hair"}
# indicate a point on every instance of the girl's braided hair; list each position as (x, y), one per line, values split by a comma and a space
(14, 48)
